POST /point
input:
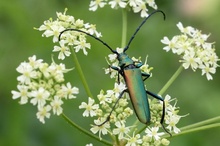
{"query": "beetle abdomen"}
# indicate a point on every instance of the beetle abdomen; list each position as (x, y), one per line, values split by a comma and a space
(137, 93)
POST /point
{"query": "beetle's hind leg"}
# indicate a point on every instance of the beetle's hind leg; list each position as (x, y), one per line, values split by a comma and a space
(163, 113)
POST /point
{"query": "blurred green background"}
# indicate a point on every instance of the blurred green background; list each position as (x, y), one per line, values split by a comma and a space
(18, 41)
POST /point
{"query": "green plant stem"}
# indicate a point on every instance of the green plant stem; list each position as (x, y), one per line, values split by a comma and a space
(171, 80)
(85, 131)
(203, 125)
(205, 122)
(124, 28)
(82, 77)
(142, 129)
(198, 129)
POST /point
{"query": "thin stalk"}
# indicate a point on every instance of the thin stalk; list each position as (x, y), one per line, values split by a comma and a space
(205, 122)
(198, 129)
(82, 77)
(203, 125)
(85, 131)
(142, 129)
(171, 80)
(124, 28)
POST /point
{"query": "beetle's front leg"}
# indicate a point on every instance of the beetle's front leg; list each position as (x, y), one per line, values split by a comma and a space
(115, 68)
(118, 70)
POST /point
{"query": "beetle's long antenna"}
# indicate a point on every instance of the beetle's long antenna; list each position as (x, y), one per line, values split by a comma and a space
(131, 39)
(72, 29)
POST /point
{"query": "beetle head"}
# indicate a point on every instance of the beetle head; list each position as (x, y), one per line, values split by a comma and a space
(124, 59)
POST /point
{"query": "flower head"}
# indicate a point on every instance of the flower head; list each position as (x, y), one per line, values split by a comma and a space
(103, 129)
(23, 93)
(90, 108)
(121, 130)
(141, 7)
(153, 132)
(94, 4)
(68, 91)
(135, 5)
(195, 52)
(43, 112)
(43, 86)
(172, 121)
(39, 96)
(134, 140)
(27, 73)
(56, 105)
(64, 50)
(68, 39)
(117, 3)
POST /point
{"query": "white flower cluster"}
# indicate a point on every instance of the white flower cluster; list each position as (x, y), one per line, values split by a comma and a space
(53, 28)
(43, 86)
(117, 124)
(138, 6)
(194, 50)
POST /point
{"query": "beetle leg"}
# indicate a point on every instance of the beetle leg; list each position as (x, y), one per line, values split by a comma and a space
(163, 114)
(145, 75)
(119, 72)
(115, 68)
(119, 97)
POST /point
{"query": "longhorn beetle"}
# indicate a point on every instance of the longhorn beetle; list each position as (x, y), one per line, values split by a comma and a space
(134, 79)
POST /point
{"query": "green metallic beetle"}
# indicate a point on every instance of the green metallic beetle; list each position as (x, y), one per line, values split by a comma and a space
(134, 80)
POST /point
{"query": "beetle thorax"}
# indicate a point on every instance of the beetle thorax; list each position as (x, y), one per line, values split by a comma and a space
(124, 60)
